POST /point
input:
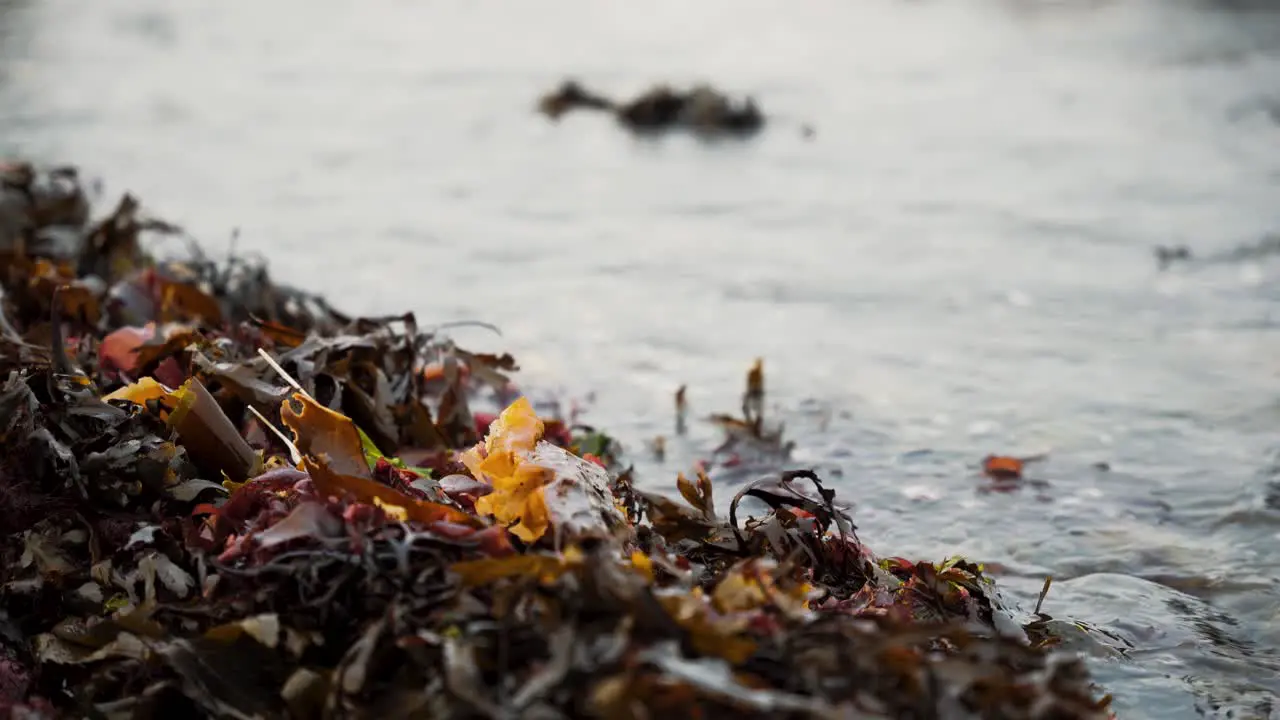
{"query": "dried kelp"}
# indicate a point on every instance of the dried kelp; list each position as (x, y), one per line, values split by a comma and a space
(223, 498)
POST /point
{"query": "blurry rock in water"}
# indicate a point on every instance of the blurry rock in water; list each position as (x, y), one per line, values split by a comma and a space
(701, 108)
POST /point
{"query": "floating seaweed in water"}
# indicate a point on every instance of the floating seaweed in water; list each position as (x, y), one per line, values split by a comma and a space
(233, 501)
(1268, 246)
(701, 108)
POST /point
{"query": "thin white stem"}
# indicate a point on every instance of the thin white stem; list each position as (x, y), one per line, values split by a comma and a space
(294, 454)
(287, 377)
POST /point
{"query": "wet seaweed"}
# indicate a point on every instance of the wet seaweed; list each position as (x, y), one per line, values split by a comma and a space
(225, 498)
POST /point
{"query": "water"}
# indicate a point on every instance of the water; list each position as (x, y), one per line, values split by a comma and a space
(958, 263)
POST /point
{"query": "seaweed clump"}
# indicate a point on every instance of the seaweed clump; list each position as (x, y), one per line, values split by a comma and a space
(701, 108)
(224, 498)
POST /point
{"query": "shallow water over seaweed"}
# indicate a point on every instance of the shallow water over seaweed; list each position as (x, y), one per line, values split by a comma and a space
(957, 263)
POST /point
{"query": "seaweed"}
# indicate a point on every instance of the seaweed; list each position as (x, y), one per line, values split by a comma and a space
(225, 498)
(662, 108)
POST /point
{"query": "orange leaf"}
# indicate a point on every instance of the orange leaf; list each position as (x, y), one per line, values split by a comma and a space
(537, 484)
(698, 495)
(335, 460)
(711, 635)
(738, 591)
(1000, 467)
(140, 392)
(751, 584)
(282, 334)
(517, 489)
(188, 301)
(643, 564)
(487, 570)
(79, 301)
(319, 431)
(517, 429)
(518, 498)
(372, 492)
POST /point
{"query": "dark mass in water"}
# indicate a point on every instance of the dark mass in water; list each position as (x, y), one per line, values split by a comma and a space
(701, 108)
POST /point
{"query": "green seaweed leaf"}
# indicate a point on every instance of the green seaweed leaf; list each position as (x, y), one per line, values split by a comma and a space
(372, 455)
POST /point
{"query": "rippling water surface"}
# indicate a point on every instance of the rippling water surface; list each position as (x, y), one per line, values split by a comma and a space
(958, 263)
